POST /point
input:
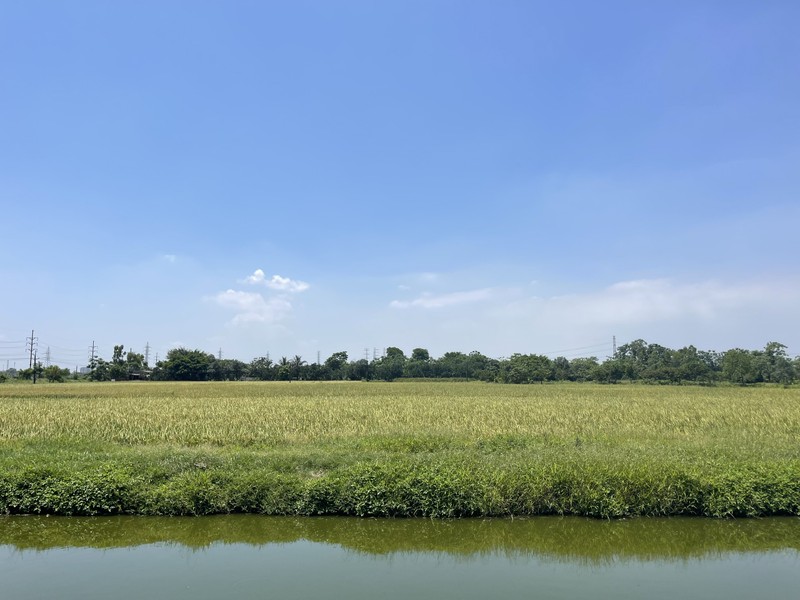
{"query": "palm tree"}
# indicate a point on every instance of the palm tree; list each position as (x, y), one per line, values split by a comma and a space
(297, 364)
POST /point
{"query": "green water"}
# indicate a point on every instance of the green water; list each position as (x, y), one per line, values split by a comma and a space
(246, 556)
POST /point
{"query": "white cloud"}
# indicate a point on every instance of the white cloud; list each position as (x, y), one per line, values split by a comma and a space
(443, 300)
(256, 278)
(651, 300)
(711, 314)
(276, 282)
(287, 285)
(170, 258)
(252, 307)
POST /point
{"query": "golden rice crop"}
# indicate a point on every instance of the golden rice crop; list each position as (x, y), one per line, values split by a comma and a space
(250, 413)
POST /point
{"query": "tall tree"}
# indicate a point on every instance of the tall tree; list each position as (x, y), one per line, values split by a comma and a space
(187, 365)
(297, 366)
(261, 368)
(739, 366)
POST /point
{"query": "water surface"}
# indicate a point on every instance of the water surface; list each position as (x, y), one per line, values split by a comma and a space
(245, 556)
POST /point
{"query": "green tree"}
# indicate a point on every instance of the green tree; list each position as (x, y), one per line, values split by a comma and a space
(297, 364)
(34, 372)
(55, 374)
(582, 369)
(261, 368)
(359, 370)
(336, 365)
(526, 368)
(118, 370)
(610, 371)
(186, 365)
(481, 367)
(774, 365)
(690, 365)
(419, 365)
(631, 359)
(452, 364)
(100, 370)
(284, 370)
(659, 364)
(391, 366)
(562, 370)
(420, 354)
(739, 366)
(134, 365)
(226, 369)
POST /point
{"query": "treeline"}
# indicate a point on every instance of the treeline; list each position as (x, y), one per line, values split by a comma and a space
(635, 361)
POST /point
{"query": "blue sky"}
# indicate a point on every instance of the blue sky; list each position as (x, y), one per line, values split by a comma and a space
(304, 177)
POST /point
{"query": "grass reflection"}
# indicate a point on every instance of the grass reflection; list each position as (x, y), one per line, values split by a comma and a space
(568, 539)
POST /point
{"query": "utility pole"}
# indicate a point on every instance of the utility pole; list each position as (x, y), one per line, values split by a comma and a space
(147, 354)
(614, 346)
(34, 366)
(318, 358)
(47, 357)
(30, 345)
(219, 354)
(366, 354)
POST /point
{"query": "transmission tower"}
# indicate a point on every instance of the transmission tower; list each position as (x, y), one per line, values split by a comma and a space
(30, 346)
(92, 355)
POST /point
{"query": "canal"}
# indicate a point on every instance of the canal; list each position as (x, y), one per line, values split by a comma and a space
(246, 556)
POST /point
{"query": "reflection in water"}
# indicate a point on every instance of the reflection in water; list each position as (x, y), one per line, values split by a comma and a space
(567, 539)
(251, 557)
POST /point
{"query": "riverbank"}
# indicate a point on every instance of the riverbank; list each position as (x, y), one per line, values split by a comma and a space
(402, 449)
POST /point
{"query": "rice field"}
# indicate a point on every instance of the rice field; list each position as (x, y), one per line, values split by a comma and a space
(400, 449)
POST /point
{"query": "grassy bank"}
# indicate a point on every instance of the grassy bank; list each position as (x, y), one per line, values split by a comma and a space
(403, 449)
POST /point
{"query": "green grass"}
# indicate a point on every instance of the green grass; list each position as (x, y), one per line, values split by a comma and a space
(399, 449)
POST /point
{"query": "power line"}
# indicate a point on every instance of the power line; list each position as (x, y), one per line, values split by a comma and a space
(62, 348)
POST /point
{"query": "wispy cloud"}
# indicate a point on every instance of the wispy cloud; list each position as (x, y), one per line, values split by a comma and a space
(500, 320)
(252, 307)
(650, 300)
(276, 282)
(442, 300)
